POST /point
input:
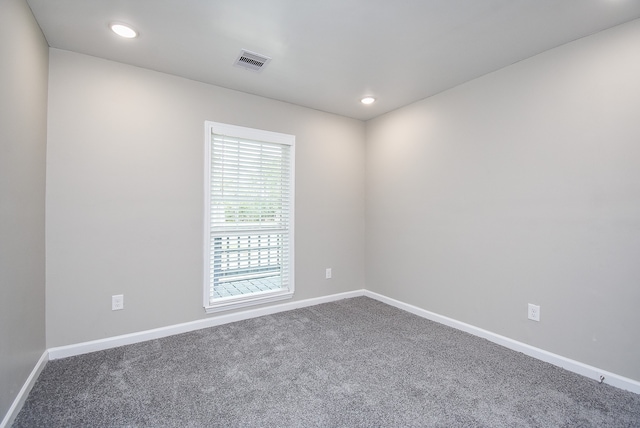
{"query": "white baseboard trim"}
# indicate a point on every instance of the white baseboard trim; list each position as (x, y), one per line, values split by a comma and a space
(127, 339)
(157, 333)
(16, 406)
(540, 354)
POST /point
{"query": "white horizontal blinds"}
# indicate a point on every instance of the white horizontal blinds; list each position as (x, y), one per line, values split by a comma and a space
(250, 211)
(249, 184)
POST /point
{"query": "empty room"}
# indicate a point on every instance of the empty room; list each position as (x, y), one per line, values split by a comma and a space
(298, 213)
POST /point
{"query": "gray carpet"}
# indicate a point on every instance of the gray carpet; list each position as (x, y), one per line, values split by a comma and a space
(351, 363)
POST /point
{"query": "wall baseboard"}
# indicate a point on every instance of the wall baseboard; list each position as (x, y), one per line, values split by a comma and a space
(540, 354)
(16, 406)
(128, 339)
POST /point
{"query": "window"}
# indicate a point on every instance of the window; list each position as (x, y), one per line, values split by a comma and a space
(248, 250)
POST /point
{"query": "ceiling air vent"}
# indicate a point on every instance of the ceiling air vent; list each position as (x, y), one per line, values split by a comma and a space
(251, 60)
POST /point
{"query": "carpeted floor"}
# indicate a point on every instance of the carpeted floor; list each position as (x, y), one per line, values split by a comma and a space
(351, 363)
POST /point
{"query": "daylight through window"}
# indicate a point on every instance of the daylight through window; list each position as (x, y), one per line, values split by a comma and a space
(249, 216)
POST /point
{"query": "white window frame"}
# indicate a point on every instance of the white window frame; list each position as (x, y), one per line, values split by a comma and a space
(234, 302)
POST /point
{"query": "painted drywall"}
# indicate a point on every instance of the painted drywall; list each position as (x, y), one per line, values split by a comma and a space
(23, 125)
(519, 187)
(125, 195)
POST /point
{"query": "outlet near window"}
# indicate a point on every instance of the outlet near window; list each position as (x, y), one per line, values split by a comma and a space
(534, 312)
(117, 302)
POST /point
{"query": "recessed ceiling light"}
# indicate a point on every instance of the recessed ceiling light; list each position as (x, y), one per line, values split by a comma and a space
(123, 30)
(367, 100)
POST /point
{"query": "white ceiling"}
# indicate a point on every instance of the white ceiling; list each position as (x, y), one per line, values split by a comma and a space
(327, 54)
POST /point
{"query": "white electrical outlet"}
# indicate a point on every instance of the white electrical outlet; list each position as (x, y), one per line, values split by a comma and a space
(327, 274)
(117, 302)
(534, 312)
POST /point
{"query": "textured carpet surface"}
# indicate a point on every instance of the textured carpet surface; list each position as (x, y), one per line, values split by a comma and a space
(351, 363)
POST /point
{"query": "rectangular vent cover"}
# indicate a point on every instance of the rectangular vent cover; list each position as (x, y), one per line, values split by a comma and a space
(251, 60)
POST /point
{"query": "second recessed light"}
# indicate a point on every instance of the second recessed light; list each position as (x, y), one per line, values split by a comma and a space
(367, 100)
(123, 30)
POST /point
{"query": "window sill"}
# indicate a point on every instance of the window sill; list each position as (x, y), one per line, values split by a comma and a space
(243, 302)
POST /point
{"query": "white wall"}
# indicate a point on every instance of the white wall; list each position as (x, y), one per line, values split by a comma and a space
(125, 195)
(520, 186)
(23, 124)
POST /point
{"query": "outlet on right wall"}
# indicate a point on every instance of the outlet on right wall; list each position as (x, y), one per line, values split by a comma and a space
(520, 186)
